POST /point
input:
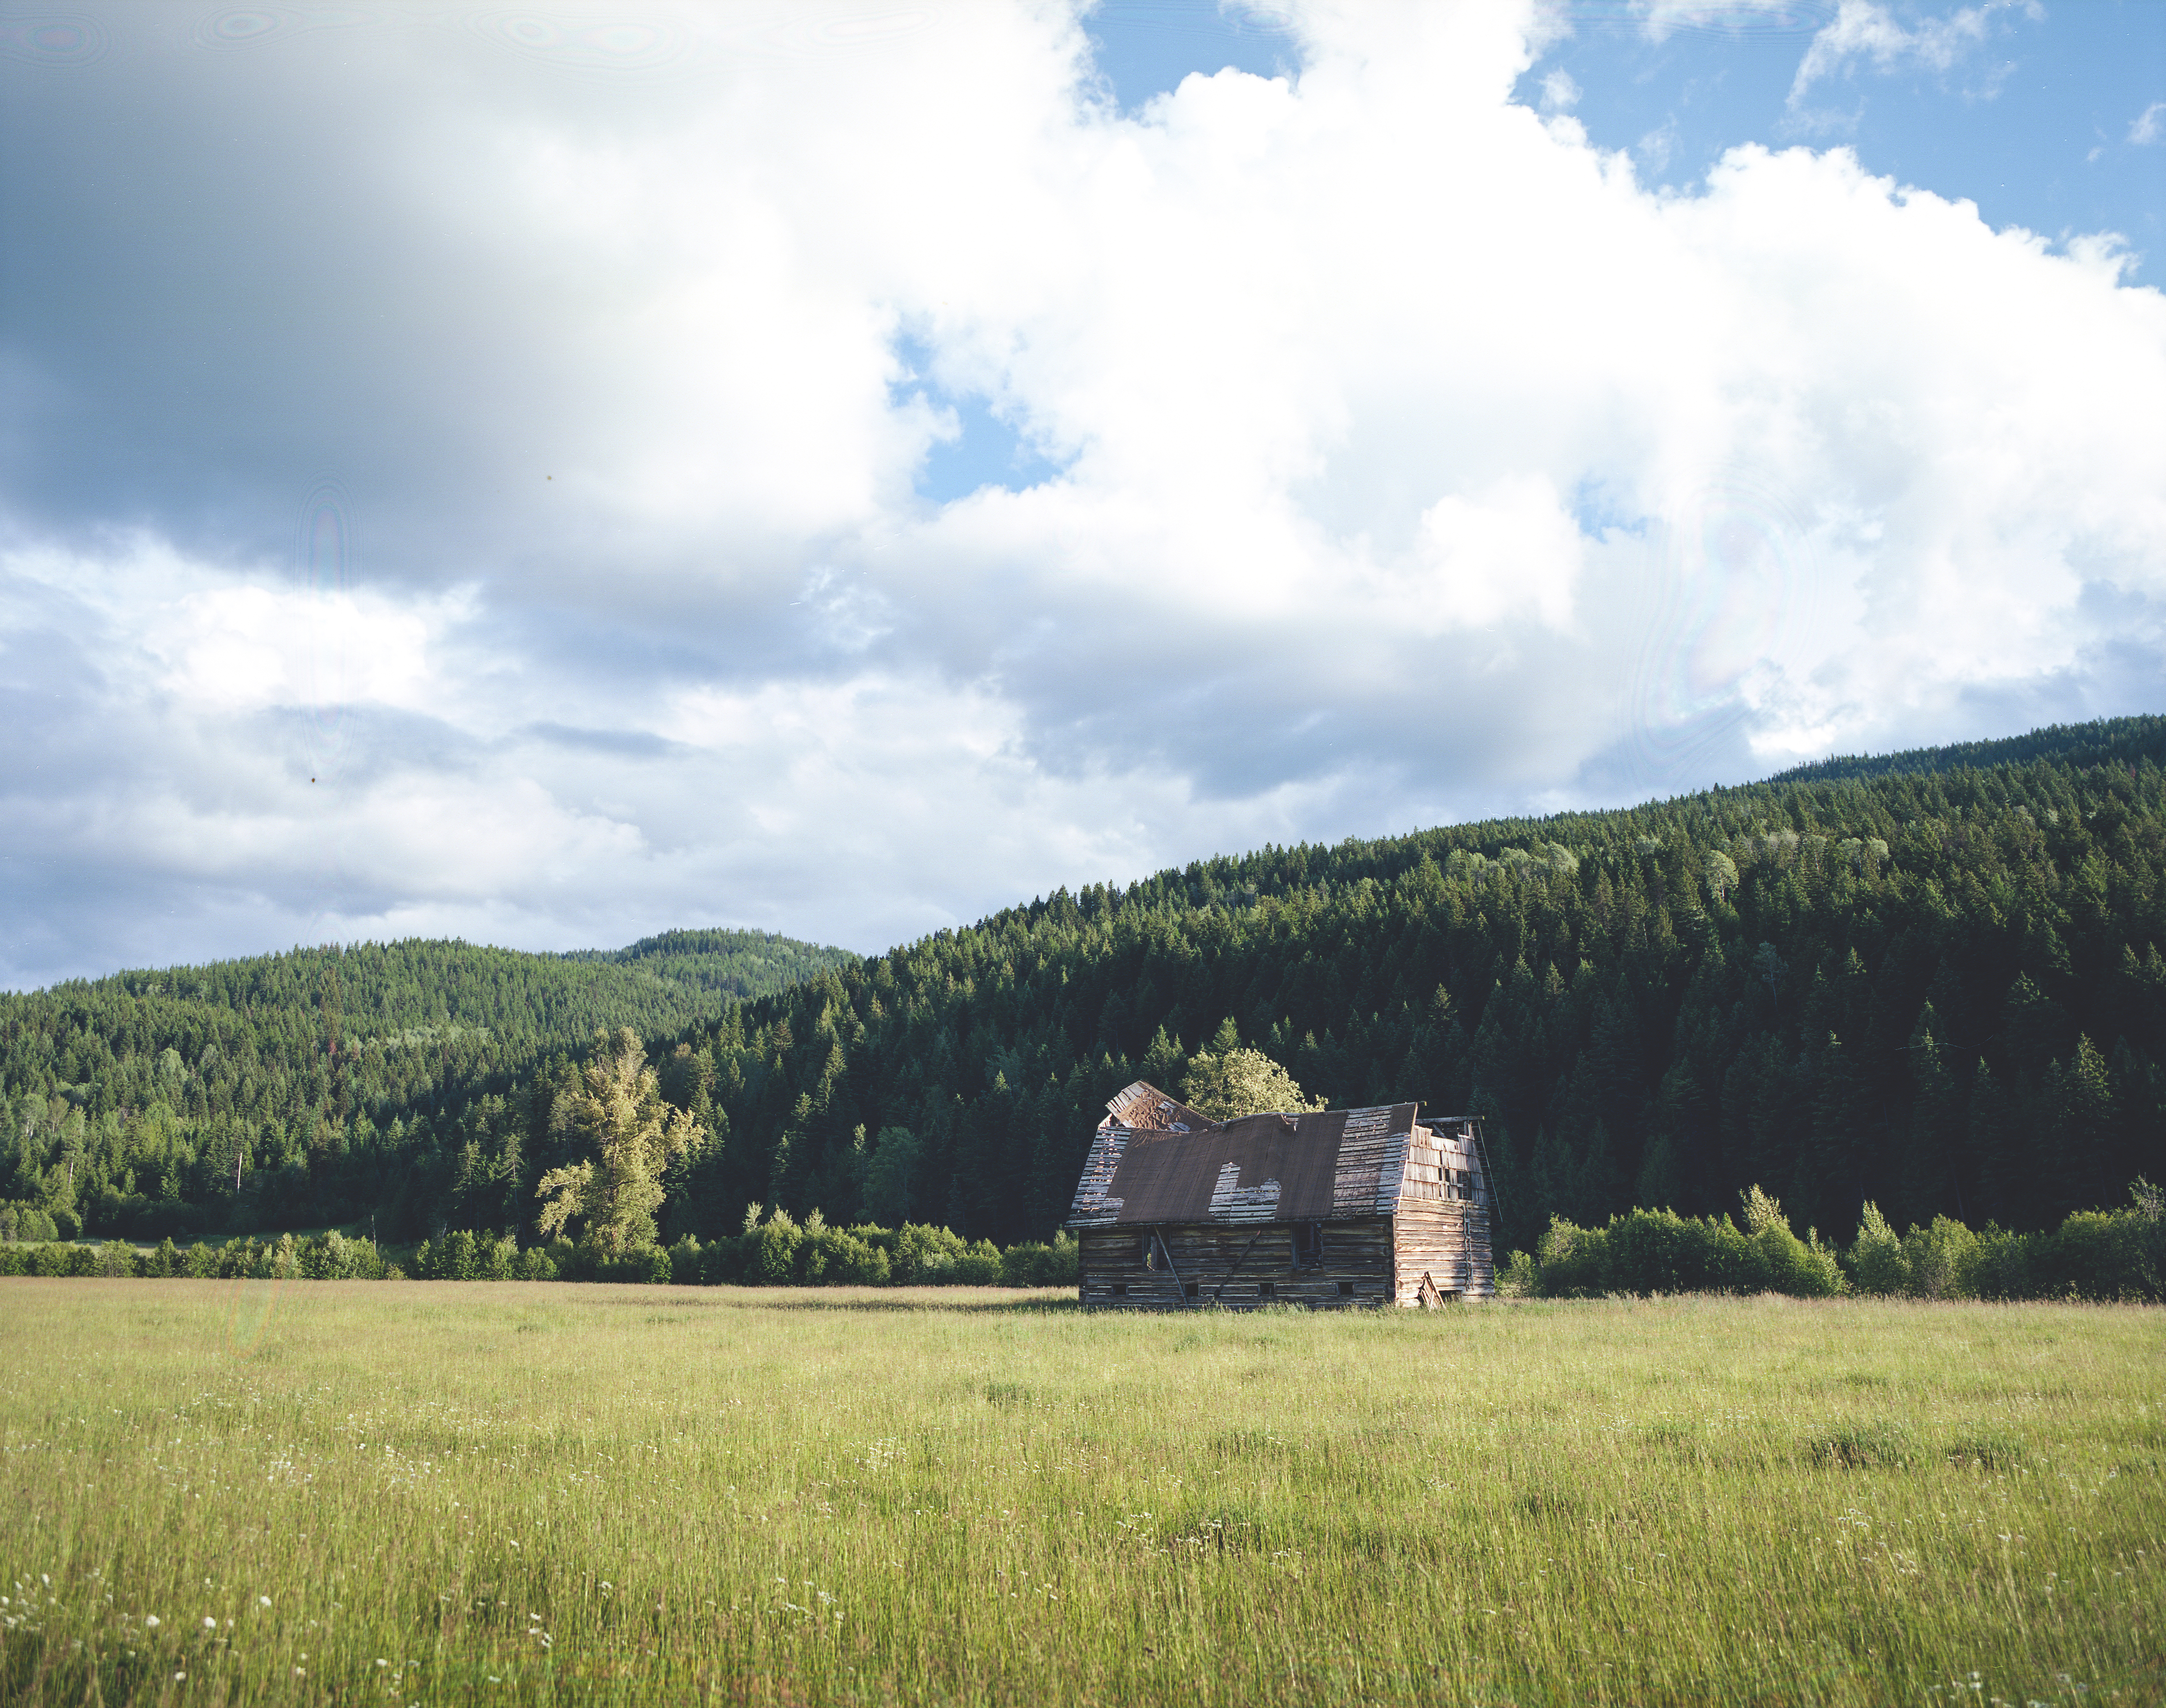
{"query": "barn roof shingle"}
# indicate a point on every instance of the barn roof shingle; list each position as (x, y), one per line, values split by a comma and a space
(1327, 1165)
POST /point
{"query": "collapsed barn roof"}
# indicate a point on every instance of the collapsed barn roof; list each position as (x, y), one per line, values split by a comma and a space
(1183, 1167)
(1144, 1107)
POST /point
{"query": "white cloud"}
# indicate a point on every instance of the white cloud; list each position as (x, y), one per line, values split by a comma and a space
(245, 648)
(1866, 30)
(1512, 551)
(1655, 148)
(1418, 461)
(2149, 125)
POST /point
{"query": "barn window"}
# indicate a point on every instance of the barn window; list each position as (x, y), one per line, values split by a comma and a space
(1190, 1289)
(1346, 1289)
(1308, 1244)
(1268, 1289)
(1147, 1249)
(1120, 1289)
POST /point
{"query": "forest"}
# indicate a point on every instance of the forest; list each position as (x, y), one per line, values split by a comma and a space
(316, 1087)
(1932, 981)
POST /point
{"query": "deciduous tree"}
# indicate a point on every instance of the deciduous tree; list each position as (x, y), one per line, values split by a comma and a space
(615, 1114)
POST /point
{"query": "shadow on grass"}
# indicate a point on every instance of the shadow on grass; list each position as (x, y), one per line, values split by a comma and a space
(976, 1301)
(976, 1307)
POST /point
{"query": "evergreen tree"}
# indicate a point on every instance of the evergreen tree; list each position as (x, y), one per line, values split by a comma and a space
(1926, 1171)
(2077, 1131)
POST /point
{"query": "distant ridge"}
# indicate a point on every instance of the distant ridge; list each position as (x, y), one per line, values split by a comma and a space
(2106, 740)
(738, 964)
(654, 984)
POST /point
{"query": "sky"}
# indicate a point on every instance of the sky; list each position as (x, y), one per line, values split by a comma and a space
(548, 476)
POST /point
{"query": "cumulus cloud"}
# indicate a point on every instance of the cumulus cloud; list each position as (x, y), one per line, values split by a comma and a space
(2148, 126)
(1396, 456)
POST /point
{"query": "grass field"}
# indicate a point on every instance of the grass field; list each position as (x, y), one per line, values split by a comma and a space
(485, 1492)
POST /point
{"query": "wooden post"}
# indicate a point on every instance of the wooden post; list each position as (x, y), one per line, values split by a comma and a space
(1179, 1287)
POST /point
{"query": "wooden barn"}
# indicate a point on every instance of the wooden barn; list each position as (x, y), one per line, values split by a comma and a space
(1343, 1207)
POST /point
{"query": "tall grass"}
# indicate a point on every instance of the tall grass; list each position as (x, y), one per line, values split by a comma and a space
(483, 1493)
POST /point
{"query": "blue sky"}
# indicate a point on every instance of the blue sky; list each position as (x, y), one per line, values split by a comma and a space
(2038, 114)
(2030, 116)
(2028, 112)
(842, 470)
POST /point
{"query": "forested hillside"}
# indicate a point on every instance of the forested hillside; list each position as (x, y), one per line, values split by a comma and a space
(1930, 983)
(1940, 988)
(319, 1080)
(2116, 741)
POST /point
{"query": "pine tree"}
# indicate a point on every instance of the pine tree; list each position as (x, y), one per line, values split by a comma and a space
(1925, 1170)
(2005, 1181)
(1836, 1148)
(1674, 1143)
(2077, 1101)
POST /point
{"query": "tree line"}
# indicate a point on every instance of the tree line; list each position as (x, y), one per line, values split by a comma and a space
(775, 1249)
(2117, 1254)
(2108, 1255)
(1933, 982)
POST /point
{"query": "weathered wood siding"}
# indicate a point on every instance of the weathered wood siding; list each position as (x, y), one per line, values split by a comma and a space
(1432, 1241)
(1235, 1268)
(1442, 1226)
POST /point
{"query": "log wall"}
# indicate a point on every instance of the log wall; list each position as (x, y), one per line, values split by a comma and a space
(1235, 1268)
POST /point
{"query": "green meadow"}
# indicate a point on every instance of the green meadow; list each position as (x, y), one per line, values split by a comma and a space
(255, 1492)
